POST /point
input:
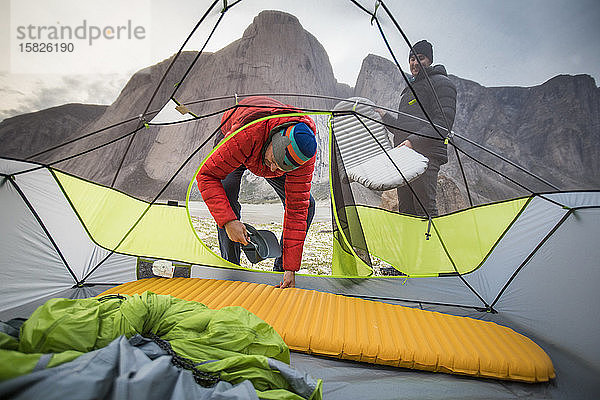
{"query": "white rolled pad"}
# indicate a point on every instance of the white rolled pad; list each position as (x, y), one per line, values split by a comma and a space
(366, 152)
(380, 173)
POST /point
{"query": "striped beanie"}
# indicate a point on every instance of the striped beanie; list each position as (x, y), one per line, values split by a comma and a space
(293, 145)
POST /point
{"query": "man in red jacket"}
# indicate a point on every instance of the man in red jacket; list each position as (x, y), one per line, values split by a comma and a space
(279, 148)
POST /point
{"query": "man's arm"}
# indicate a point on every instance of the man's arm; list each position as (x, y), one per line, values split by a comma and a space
(297, 203)
(225, 159)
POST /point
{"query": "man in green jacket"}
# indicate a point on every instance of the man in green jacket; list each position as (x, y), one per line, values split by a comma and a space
(423, 137)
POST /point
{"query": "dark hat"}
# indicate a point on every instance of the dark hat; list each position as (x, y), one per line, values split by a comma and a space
(423, 47)
(293, 145)
(262, 244)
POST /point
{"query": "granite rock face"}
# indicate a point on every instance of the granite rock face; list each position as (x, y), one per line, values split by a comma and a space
(380, 80)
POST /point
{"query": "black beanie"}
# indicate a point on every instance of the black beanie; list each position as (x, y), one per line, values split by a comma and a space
(423, 47)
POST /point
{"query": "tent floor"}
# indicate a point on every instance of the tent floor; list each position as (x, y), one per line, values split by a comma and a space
(354, 380)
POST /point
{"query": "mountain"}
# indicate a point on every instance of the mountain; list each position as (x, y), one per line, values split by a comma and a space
(550, 129)
(25, 135)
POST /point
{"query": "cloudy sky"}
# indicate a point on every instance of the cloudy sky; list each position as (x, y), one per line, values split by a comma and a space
(495, 43)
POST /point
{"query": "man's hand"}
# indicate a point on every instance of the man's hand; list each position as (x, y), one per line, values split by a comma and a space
(289, 280)
(406, 143)
(236, 231)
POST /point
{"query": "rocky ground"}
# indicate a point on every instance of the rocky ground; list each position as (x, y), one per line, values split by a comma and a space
(317, 247)
(316, 259)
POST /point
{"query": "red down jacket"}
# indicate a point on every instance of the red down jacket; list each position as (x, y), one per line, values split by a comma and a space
(246, 147)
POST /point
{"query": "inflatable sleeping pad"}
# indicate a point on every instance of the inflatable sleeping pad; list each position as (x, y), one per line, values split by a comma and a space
(361, 330)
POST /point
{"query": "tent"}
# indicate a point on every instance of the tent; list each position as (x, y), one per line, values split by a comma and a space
(529, 263)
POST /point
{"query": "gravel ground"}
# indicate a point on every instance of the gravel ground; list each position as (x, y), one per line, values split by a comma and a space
(316, 258)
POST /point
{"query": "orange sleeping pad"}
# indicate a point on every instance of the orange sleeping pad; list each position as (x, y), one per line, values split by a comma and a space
(362, 330)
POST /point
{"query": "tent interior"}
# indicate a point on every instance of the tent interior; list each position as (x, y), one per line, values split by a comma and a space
(522, 254)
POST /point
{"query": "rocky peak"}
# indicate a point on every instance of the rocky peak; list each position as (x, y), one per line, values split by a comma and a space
(379, 80)
(275, 54)
(271, 23)
(582, 82)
